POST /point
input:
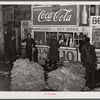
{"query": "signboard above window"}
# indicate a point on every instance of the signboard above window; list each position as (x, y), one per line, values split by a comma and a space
(55, 15)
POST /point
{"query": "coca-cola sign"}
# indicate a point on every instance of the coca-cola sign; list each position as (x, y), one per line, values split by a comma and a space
(66, 15)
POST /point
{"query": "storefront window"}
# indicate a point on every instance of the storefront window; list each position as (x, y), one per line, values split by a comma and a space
(70, 39)
(66, 38)
(39, 37)
(50, 35)
(78, 37)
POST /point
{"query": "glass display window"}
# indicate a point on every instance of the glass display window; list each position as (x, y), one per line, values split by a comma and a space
(66, 38)
(50, 35)
(39, 37)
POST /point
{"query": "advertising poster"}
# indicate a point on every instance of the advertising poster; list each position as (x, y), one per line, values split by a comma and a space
(42, 54)
(65, 15)
(95, 36)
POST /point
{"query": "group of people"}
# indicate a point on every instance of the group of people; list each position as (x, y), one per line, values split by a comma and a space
(88, 58)
(30, 43)
(87, 51)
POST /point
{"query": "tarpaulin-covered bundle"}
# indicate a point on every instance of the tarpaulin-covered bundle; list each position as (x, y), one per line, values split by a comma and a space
(69, 77)
(27, 76)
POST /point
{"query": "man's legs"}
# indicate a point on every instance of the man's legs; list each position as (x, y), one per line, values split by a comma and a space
(87, 75)
(55, 64)
(29, 56)
(92, 75)
(50, 63)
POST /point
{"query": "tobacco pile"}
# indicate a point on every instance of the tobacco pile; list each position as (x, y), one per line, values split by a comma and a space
(69, 77)
(27, 76)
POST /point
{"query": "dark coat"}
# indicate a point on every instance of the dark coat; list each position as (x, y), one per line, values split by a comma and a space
(53, 52)
(88, 54)
(81, 43)
(89, 59)
(12, 50)
(29, 44)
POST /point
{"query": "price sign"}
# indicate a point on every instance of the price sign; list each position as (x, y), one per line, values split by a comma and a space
(68, 55)
(42, 54)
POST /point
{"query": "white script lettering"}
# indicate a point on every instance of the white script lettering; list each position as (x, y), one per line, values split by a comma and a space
(60, 15)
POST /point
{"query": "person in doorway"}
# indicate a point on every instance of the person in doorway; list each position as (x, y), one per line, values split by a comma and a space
(30, 43)
(12, 48)
(53, 52)
(89, 60)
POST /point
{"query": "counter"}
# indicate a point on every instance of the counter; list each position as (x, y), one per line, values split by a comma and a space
(68, 54)
(65, 53)
(43, 51)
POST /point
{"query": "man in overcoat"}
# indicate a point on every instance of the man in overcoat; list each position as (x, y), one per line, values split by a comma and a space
(53, 52)
(30, 43)
(12, 48)
(89, 60)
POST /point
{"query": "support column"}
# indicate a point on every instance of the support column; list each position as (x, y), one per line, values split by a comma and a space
(1, 34)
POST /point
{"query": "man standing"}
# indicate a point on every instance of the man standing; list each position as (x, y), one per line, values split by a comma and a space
(12, 48)
(29, 44)
(89, 59)
(53, 52)
(81, 43)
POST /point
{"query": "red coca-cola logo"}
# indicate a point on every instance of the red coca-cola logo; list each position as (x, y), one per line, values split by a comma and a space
(61, 15)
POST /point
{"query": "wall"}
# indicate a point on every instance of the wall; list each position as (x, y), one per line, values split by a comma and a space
(1, 33)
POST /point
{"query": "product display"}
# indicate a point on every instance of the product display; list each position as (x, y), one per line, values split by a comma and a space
(27, 76)
(70, 78)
